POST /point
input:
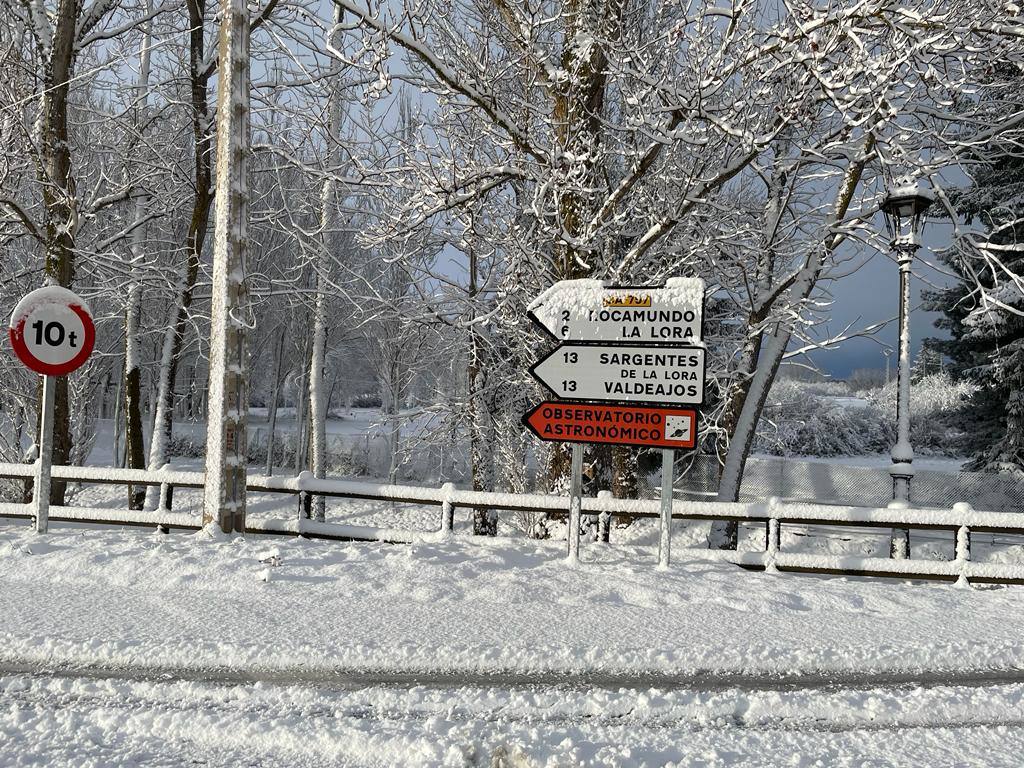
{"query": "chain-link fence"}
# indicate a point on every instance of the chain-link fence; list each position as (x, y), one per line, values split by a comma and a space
(827, 482)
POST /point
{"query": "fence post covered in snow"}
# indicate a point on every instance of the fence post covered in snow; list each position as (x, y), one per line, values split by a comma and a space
(772, 536)
(166, 493)
(604, 520)
(963, 538)
(224, 496)
(447, 509)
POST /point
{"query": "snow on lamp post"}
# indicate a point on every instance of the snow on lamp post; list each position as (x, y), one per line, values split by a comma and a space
(904, 206)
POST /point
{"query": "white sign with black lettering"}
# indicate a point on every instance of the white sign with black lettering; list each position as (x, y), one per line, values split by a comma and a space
(52, 331)
(586, 310)
(626, 374)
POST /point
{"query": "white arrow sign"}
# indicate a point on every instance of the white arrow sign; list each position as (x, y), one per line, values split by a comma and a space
(622, 373)
(585, 310)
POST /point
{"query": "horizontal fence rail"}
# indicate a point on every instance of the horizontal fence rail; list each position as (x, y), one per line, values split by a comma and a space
(961, 521)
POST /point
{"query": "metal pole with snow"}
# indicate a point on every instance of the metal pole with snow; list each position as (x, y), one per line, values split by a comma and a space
(224, 495)
(904, 206)
(52, 333)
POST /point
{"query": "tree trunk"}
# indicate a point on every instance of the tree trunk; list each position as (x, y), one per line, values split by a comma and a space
(300, 424)
(202, 199)
(134, 451)
(485, 521)
(392, 402)
(133, 309)
(59, 198)
(272, 411)
(772, 349)
(725, 533)
(576, 114)
(115, 423)
(326, 252)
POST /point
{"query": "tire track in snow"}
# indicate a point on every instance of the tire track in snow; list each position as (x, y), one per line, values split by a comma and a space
(698, 682)
(214, 700)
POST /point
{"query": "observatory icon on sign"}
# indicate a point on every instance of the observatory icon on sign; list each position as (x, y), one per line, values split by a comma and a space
(677, 427)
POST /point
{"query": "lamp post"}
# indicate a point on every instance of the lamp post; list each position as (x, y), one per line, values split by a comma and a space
(904, 206)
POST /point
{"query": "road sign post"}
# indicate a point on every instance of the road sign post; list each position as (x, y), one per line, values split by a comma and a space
(575, 502)
(624, 373)
(52, 333)
(668, 457)
(587, 310)
(641, 427)
(44, 462)
(628, 358)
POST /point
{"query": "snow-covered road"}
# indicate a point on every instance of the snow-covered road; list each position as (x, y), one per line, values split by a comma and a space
(181, 648)
(58, 720)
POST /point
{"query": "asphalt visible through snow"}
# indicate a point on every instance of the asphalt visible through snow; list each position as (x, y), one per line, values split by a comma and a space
(344, 680)
(99, 716)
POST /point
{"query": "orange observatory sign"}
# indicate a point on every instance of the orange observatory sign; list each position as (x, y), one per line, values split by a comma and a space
(617, 424)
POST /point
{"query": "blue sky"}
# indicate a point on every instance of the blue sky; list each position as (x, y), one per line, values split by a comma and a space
(871, 295)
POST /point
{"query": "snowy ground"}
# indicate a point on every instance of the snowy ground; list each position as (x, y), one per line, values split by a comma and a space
(47, 721)
(700, 665)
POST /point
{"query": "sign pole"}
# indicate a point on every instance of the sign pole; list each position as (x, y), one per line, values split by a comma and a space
(41, 495)
(668, 456)
(52, 333)
(575, 502)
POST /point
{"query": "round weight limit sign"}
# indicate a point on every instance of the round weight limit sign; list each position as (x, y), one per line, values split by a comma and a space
(52, 331)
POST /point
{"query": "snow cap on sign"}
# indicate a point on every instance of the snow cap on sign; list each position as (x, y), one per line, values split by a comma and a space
(583, 296)
(50, 294)
(588, 293)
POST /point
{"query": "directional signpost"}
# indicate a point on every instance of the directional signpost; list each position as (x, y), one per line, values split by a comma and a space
(668, 375)
(584, 310)
(633, 350)
(618, 425)
(52, 333)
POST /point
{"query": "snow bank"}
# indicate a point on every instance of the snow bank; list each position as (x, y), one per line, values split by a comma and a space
(191, 602)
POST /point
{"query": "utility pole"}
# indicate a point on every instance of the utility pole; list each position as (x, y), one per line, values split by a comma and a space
(224, 496)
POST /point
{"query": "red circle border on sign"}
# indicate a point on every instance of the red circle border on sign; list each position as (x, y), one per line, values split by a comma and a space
(17, 336)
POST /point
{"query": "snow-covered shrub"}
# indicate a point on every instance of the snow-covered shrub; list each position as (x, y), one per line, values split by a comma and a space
(186, 446)
(933, 394)
(366, 400)
(935, 403)
(256, 451)
(802, 419)
(799, 423)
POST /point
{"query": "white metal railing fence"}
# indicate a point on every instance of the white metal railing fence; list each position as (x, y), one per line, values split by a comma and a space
(961, 521)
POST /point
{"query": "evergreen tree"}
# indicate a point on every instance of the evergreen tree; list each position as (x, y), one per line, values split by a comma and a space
(986, 343)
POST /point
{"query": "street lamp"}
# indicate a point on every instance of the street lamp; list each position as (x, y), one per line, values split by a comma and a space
(904, 206)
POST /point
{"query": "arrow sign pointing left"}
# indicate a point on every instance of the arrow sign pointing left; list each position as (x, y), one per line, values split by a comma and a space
(623, 373)
(586, 310)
